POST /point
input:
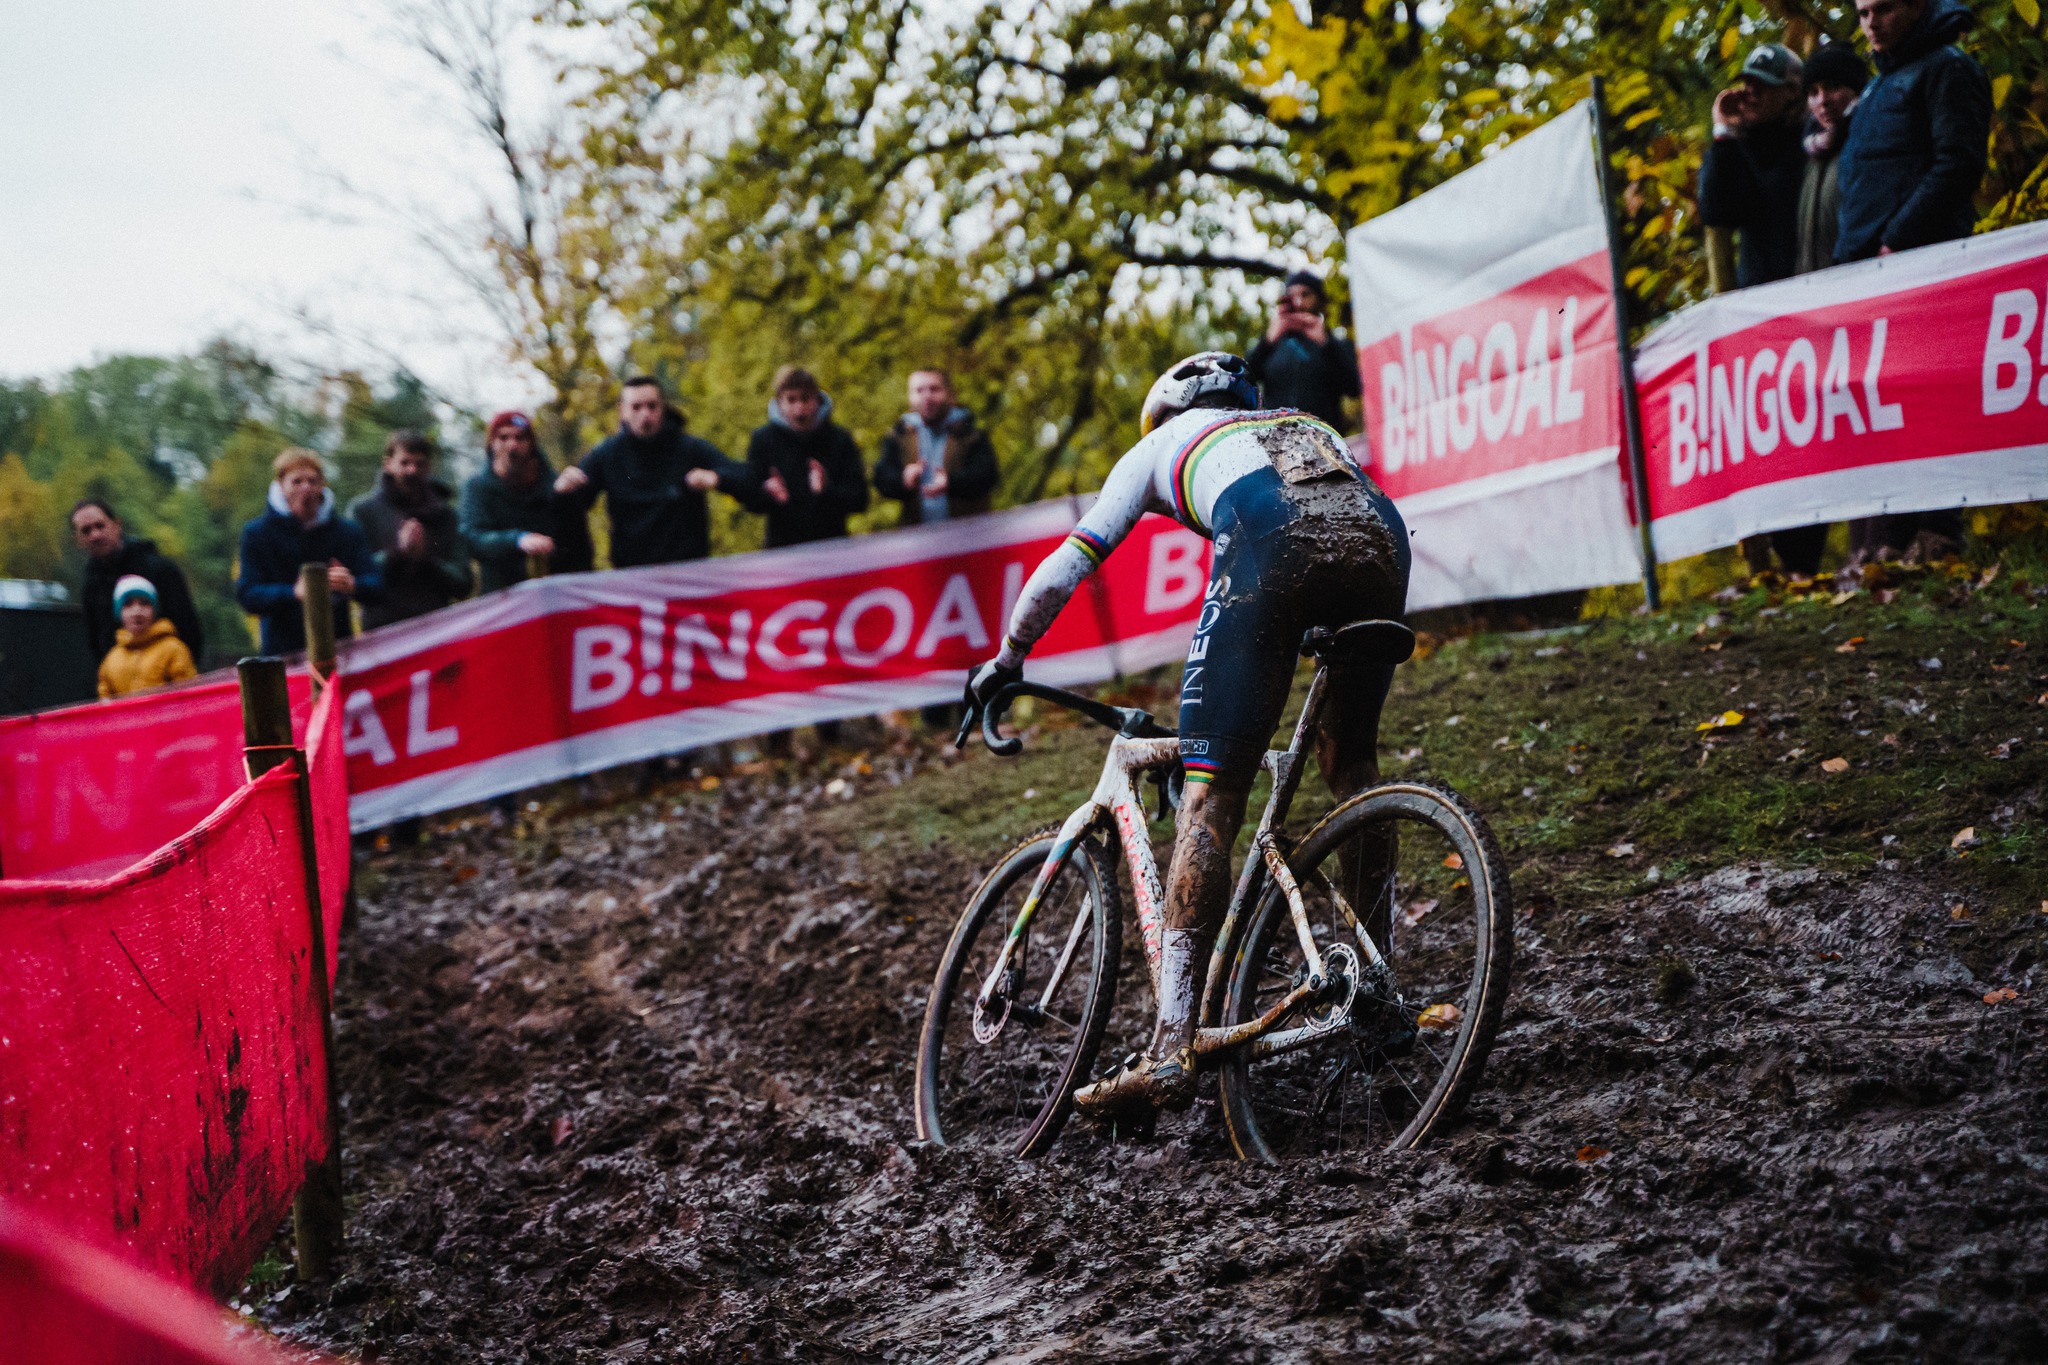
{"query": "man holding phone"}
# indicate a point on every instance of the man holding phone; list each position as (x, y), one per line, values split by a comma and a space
(1301, 363)
(1751, 174)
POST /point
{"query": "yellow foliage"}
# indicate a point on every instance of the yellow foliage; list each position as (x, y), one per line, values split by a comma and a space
(31, 524)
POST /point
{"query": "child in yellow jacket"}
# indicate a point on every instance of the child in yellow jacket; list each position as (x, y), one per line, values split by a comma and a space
(147, 651)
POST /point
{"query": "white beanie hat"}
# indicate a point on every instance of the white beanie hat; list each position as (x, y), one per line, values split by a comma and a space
(130, 585)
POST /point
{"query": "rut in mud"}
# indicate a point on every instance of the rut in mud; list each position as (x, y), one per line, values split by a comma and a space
(640, 1092)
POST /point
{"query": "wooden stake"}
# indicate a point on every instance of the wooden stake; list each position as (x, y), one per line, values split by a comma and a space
(537, 564)
(267, 743)
(318, 604)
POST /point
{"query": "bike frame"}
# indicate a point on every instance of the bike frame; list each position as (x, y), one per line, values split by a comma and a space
(1116, 806)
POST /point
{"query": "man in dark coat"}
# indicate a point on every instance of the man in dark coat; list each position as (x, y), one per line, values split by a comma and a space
(1908, 176)
(1301, 363)
(1752, 170)
(511, 510)
(936, 461)
(414, 534)
(300, 528)
(1916, 149)
(110, 555)
(654, 476)
(805, 464)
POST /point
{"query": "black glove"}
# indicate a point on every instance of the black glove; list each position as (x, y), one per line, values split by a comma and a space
(982, 685)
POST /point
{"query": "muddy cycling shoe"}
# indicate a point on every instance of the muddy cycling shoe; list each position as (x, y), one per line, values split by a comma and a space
(1141, 1087)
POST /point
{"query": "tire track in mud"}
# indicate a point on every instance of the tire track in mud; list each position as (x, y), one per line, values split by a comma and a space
(644, 1097)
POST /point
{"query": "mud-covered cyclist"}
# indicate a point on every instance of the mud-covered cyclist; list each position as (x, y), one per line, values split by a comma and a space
(1302, 539)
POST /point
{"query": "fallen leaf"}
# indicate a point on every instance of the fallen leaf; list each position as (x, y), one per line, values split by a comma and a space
(1715, 648)
(1966, 837)
(1990, 576)
(1841, 597)
(1622, 851)
(1892, 740)
(463, 874)
(1848, 646)
(1834, 765)
(1412, 913)
(2000, 996)
(708, 783)
(2004, 750)
(1439, 1017)
(1592, 1152)
(1727, 720)
(561, 1129)
(1454, 860)
(1959, 911)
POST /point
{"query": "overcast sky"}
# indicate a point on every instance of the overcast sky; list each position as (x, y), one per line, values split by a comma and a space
(157, 161)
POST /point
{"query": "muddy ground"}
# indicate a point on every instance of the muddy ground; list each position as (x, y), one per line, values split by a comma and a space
(636, 1088)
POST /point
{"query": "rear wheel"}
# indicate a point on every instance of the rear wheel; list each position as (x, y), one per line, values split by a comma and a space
(1391, 1048)
(1002, 1073)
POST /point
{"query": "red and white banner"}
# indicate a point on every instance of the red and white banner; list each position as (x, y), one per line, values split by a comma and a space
(1485, 327)
(563, 676)
(1906, 383)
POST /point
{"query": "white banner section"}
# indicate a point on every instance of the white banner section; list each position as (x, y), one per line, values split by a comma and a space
(1486, 335)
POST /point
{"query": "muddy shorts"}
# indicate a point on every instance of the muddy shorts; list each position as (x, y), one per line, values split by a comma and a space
(1289, 557)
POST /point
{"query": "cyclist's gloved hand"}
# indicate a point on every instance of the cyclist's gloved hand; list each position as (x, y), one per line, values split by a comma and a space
(984, 682)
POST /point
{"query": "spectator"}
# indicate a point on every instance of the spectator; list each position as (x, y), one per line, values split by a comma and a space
(654, 476)
(936, 461)
(111, 555)
(301, 528)
(511, 510)
(1835, 77)
(1915, 152)
(1909, 172)
(1751, 174)
(413, 532)
(806, 466)
(1300, 363)
(147, 651)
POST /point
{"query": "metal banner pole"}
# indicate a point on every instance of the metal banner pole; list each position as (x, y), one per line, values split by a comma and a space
(1632, 415)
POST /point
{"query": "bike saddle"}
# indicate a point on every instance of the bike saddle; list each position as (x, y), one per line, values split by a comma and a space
(1361, 642)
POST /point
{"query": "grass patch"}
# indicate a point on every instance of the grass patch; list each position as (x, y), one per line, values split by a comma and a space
(1874, 727)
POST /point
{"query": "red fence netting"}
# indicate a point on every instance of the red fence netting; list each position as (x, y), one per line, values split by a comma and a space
(87, 790)
(162, 1076)
(329, 772)
(64, 1303)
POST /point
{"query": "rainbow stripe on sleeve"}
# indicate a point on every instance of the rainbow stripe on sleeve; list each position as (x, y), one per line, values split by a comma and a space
(1213, 435)
(1201, 770)
(1088, 543)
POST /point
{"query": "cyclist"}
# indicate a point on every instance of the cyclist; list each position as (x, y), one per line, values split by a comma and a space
(1302, 539)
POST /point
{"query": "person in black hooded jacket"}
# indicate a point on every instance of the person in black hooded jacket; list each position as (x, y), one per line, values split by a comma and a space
(1752, 171)
(805, 465)
(111, 555)
(1915, 153)
(654, 476)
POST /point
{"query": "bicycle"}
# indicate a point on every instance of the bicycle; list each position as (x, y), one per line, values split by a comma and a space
(1332, 1020)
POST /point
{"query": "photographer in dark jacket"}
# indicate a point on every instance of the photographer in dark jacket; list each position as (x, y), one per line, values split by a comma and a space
(414, 534)
(1916, 149)
(511, 510)
(1300, 363)
(110, 556)
(936, 461)
(1751, 174)
(654, 476)
(805, 466)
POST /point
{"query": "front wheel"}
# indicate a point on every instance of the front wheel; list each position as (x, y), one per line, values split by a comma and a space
(1001, 1072)
(1408, 905)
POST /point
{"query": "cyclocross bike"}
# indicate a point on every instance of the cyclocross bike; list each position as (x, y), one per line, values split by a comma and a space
(1353, 992)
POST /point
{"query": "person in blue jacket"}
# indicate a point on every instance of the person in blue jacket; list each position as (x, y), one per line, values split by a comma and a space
(1916, 149)
(300, 527)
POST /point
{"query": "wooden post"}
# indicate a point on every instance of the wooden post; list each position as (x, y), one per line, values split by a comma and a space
(1631, 408)
(537, 564)
(318, 605)
(267, 743)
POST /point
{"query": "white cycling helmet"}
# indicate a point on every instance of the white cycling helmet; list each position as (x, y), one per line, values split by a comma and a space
(1210, 375)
